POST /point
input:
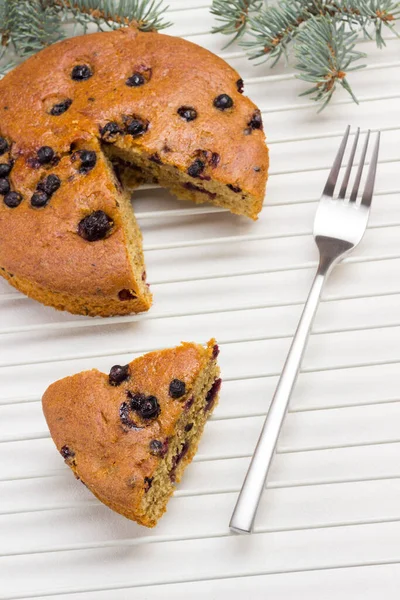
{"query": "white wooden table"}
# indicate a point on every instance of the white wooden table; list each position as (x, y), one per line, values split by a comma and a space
(329, 523)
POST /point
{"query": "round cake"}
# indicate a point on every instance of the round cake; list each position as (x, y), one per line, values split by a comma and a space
(87, 119)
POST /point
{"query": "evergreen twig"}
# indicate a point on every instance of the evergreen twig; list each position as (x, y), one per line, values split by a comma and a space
(27, 26)
(368, 13)
(325, 53)
(147, 15)
(324, 33)
(273, 29)
(32, 27)
(234, 16)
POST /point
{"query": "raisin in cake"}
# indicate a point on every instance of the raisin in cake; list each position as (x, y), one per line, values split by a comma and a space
(86, 117)
(129, 435)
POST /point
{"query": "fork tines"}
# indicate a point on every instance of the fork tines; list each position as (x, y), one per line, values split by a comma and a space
(370, 181)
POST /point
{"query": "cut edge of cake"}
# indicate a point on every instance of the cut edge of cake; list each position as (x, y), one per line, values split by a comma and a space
(180, 184)
(183, 446)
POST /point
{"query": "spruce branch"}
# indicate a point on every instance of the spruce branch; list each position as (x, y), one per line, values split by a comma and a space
(27, 26)
(234, 16)
(3, 23)
(147, 15)
(325, 53)
(273, 29)
(32, 27)
(323, 32)
(368, 14)
(4, 38)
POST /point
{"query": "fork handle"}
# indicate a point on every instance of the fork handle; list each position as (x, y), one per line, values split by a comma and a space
(245, 510)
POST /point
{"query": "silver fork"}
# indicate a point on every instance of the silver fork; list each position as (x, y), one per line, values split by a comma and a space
(338, 227)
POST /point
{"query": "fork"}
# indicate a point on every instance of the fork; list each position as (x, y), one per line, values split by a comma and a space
(338, 228)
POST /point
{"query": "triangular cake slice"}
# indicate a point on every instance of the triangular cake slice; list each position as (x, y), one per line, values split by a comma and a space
(129, 435)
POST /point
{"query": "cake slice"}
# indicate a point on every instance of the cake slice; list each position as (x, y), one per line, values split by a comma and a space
(129, 435)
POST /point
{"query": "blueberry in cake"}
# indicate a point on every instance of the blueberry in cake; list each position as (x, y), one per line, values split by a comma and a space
(88, 119)
(129, 435)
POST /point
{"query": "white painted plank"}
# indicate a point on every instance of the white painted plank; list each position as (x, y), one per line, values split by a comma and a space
(187, 561)
(329, 427)
(229, 438)
(342, 387)
(379, 581)
(346, 315)
(207, 477)
(325, 351)
(263, 323)
(373, 278)
(201, 516)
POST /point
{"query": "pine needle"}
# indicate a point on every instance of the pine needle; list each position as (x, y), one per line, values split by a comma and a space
(325, 53)
(323, 32)
(273, 29)
(112, 14)
(27, 26)
(234, 16)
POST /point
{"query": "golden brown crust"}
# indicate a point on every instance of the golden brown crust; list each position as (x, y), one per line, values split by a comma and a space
(42, 246)
(83, 413)
(79, 304)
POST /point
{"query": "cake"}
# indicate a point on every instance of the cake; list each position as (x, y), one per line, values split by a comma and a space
(129, 435)
(90, 117)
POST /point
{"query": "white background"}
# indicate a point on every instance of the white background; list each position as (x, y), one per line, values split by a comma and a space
(329, 524)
